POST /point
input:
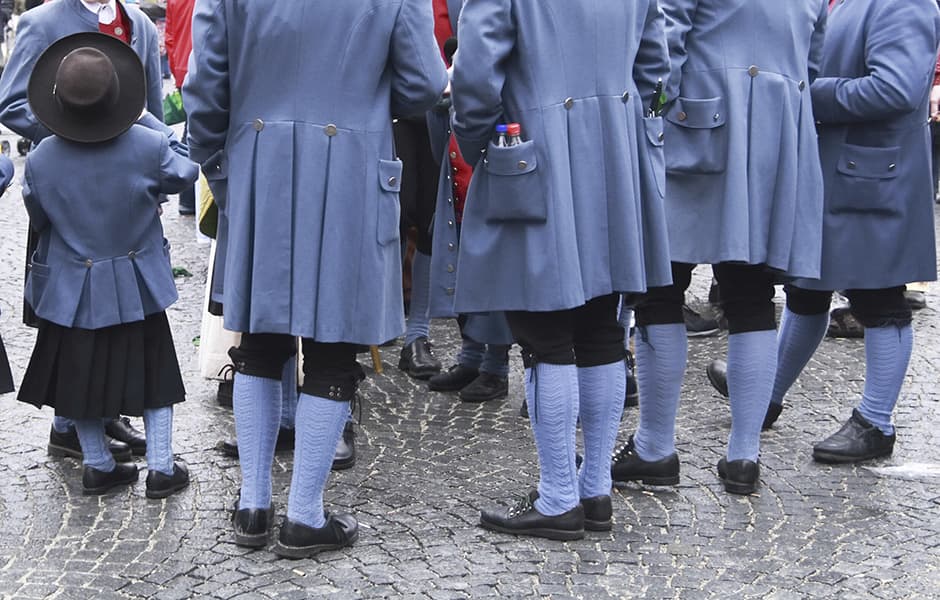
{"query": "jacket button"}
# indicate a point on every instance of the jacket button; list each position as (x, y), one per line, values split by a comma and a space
(450, 200)
(453, 155)
(802, 85)
(682, 116)
(258, 125)
(661, 136)
(132, 255)
(450, 291)
(523, 165)
(450, 268)
(892, 167)
(753, 71)
(89, 262)
(569, 102)
(625, 97)
(450, 223)
(330, 130)
(392, 181)
(118, 31)
(450, 246)
(717, 117)
(851, 164)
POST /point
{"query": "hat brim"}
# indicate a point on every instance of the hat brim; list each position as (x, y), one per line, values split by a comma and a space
(132, 95)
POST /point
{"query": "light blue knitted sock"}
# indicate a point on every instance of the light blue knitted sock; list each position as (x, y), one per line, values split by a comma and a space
(797, 341)
(752, 361)
(601, 390)
(887, 354)
(554, 415)
(158, 425)
(257, 405)
(419, 325)
(320, 423)
(661, 356)
(62, 424)
(289, 393)
(95, 451)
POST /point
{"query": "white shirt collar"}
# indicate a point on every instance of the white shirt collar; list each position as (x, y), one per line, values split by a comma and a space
(106, 12)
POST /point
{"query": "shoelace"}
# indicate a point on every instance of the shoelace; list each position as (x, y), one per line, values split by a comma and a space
(623, 452)
(521, 507)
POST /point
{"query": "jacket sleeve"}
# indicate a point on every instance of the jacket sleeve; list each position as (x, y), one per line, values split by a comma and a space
(153, 71)
(418, 73)
(177, 173)
(680, 16)
(15, 113)
(38, 219)
(817, 40)
(206, 90)
(652, 58)
(487, 37)
(151, 122)
(6, 173)
(169, 31)
(899, 55)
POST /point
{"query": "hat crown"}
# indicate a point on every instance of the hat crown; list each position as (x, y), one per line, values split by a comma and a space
(86, 81)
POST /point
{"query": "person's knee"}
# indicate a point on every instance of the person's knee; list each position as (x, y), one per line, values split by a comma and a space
(263, 354)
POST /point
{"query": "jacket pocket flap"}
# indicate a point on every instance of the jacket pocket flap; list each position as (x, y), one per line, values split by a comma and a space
(511, 160)
(695, 113)
(390, 175)
(869, 162)
(654, 130)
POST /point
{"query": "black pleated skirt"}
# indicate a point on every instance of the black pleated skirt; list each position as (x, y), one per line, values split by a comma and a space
(6, 377)
(119, 370)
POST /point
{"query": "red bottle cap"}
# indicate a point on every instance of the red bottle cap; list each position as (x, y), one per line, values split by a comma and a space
(514, 129)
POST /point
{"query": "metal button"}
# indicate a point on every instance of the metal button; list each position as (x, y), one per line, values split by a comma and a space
(625, 97)
(753, 71)
(118, 31)
(851, 164)
(392, 181)
(450, 268)
(569, 102)
(132, 255)
(453, 155)
(523, 165)
(682, 116)
(450, 291)
(450, 246)
(450, 200)
(89, 262)
(218, 168)
(717, 117)
(802, 85)
(258, 125)
(450, 223)
(330, 130)
(892, 167)
(662, 136)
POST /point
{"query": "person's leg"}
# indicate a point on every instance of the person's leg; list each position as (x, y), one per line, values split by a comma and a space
(598, 347)
(467, 367)
(803, 327)
(661, 350)
(101, 472)
(289, 393)
(259, 365)
(747, 293)
(158, 423)
(889, 340)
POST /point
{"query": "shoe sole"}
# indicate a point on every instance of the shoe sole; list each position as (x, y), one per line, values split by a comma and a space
(104, 489)
(158, 494)
(740, 488)
(62, 452)
(590, 525)
(841, 459)
(447, 388)
(561, 535)
(480, 399)
(414, 374)
(252, 540)
(298, 552)
(342, 465)
(660, 481)
(715, 384)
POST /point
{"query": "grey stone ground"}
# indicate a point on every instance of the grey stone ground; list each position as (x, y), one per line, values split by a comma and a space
(428, 464)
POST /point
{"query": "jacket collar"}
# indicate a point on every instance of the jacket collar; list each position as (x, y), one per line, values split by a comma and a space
(89, 18)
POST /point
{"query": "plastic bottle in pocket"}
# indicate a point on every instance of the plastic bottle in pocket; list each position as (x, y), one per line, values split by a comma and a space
(514, 133)
(501, 139)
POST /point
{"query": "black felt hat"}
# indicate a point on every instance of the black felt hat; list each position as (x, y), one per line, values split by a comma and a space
(88, 87)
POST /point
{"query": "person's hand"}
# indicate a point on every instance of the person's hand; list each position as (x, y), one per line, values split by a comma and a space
(935, 104)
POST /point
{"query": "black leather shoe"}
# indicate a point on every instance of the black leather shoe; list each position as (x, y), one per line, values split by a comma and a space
(698, 325)
(628, 466)
(252, 526)
(454, 379)
(161, 485)
(524, 519)
(345, 455)
(299, 541)
(598, 513)
(484, 388)
(773, 413)
(122, 430)
(418, 361)
(67, 444)
(95, 482)
(632, 397)
(857, 440)
(739, 476)
(284, 443)
(717, 372)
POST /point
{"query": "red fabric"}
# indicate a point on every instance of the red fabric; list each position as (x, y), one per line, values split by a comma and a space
(831, 3)
(118, 24)
(179, 37)
(442, 29)
(936, 73)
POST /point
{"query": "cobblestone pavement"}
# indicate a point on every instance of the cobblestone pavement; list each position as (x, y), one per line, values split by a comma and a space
(428, 464)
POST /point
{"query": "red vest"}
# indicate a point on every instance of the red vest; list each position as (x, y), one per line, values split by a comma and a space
(120, 26)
